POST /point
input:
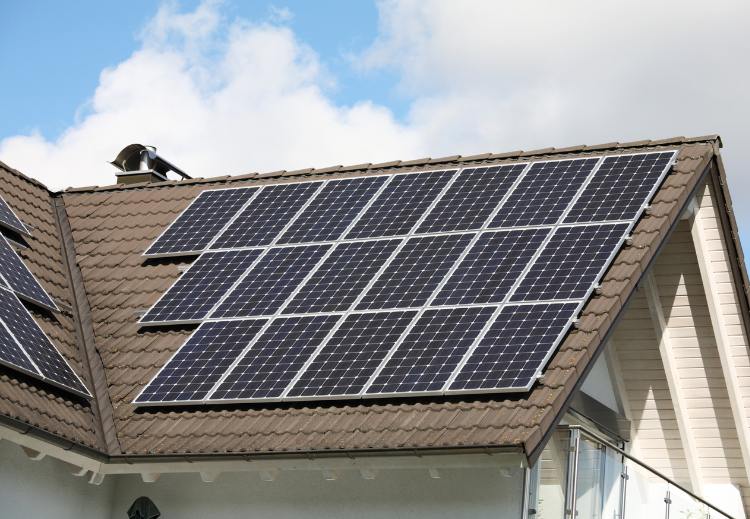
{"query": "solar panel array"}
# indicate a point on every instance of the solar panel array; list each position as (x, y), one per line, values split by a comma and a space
(419, 283)
(23, 344)
(9, 220)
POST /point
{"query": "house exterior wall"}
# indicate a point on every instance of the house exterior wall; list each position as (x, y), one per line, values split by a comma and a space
(701, 386)
(47, 489)
(407, 493)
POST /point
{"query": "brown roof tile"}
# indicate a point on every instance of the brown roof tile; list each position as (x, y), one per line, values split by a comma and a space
(112, 226)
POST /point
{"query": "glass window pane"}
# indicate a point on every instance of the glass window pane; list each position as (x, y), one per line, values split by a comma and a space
(552, 467)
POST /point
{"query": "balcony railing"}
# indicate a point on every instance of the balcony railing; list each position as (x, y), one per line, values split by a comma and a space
(583, 476)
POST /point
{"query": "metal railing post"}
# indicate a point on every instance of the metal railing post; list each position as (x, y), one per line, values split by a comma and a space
(572, 483)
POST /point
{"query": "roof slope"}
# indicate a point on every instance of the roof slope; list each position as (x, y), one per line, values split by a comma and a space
(112, 226)
(25, 399)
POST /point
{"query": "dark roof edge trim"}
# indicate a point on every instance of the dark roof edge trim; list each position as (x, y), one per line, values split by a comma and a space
(101, 405)
(420, 163)
(534, 454)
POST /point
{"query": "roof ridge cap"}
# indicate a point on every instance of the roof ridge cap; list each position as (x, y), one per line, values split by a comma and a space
(425, 161)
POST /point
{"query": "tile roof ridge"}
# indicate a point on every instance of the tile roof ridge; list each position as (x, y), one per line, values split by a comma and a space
(25, 178)
(426, 161)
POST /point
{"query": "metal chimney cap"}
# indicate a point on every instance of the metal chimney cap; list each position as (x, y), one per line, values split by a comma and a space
(138, 158)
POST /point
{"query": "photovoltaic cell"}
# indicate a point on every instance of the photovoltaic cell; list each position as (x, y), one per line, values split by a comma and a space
(270, 281)
(510, 355)
(200, 288)
(18, 277)
(266, 215)
(352, 354)
(201, 361)
(493, 264)
(194, 229)
(401, 204)
(570, 263)
(9, 220)
(431, 351)
(333, 210)
(11, 353)
(471, 198)
(272, 362)
(544, 193)
(51, 364)
(620, 187)
(341, 278)
(415, 272)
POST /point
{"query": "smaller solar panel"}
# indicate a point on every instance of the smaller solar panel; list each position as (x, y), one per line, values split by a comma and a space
(352, 354)
(194, 229)
(18, 277)
(620, 188)
(50, 362)
(338, 281)
(275, 358)
(200, 288)
(513, 350)
(11, 353)
(570, 263)
(471, 199)
(491, 267)
(431, 351)
(9, 220)
(400, 205)
(270, 281)
(267, 214)
(415, 272)
(333, 210)
(544, 193)
(199, 364)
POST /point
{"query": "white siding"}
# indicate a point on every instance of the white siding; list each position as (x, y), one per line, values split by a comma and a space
(656, 437)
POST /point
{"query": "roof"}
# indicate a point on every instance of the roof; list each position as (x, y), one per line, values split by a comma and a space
(90, 258)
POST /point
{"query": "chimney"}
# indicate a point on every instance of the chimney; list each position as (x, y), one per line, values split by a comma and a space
(139, 163)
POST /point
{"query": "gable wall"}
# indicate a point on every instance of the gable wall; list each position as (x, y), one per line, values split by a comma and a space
(699, 383)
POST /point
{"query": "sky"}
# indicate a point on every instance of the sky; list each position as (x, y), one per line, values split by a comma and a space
(237, 86)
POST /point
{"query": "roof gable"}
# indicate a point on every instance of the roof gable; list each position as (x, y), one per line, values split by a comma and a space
(111, 227)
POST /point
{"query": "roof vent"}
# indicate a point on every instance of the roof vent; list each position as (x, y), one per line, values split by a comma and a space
(139, 163)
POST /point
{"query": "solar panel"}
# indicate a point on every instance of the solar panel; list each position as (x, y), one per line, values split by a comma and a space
(199, 224)
(270, 364)
(571, 261)
(512, 352)
(331, 212)
(192, 372)
(199, 289)
(335, 285)
(266, 215)
(471, 199)
(544, 192)
(344, 365)
(18, 277)
(621, 187)
(431, 350)
(407, 284)
(9, 220)
(270, 281)
(415, 272)
(491, 267)
(11, 353)
(401, 205)
(47, 359)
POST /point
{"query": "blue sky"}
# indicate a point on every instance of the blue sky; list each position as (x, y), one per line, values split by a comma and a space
(227, 87)
(62, 47)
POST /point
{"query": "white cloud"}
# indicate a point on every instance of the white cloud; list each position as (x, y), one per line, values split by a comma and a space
(222, 97)
(216, 98)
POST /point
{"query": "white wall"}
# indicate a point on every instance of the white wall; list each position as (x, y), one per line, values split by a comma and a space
(46, 489)
(407, 493)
